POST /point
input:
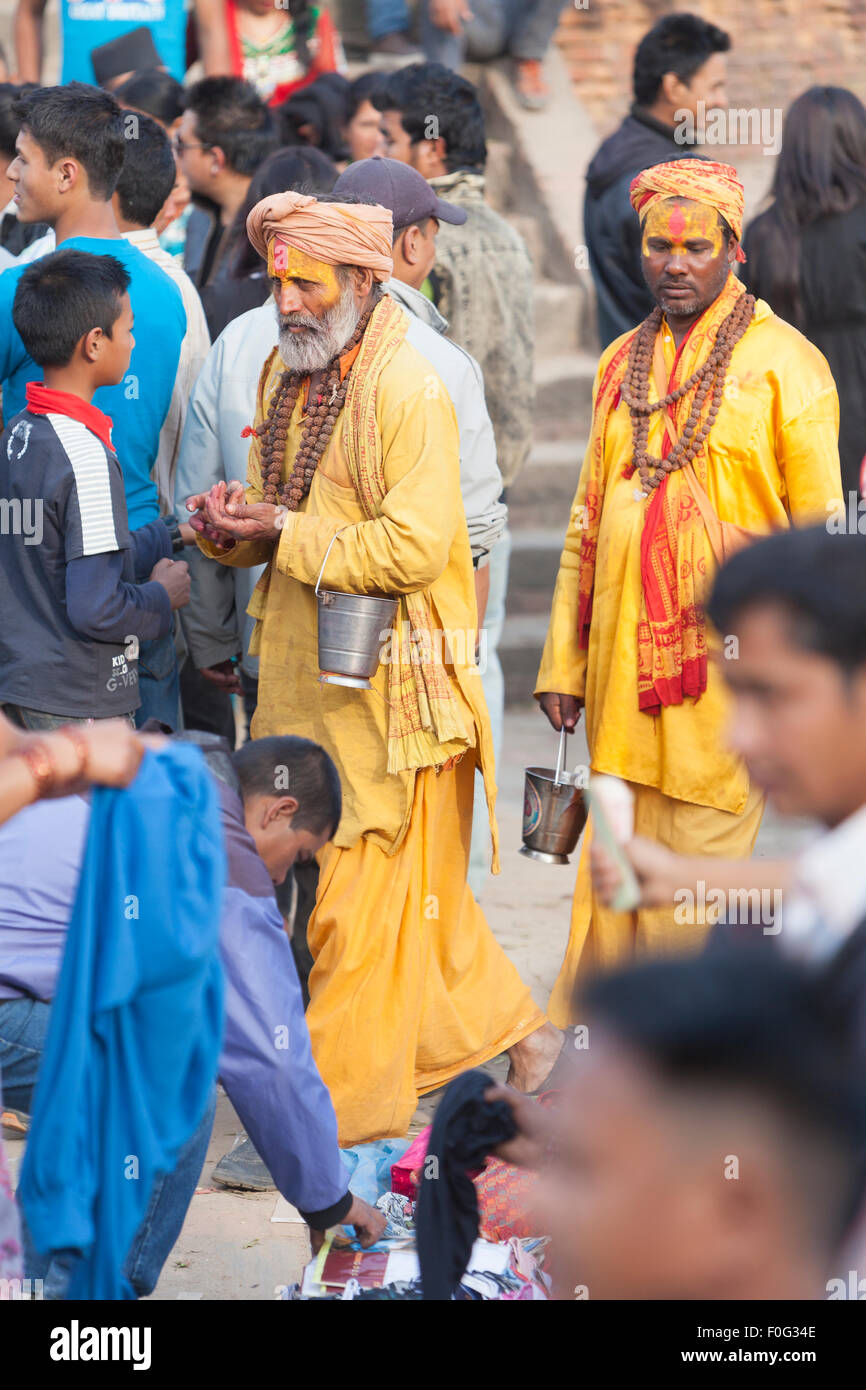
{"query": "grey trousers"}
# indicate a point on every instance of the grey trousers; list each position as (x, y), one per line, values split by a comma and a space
(520, 28)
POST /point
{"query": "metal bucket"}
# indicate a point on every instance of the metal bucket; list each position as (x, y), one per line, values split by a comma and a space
(350, 633)
(554, 811)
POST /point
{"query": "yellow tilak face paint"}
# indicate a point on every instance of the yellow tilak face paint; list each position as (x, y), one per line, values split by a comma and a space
(678, 224)
(287, 263)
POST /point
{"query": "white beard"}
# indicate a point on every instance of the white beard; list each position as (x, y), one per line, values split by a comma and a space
(326, 337)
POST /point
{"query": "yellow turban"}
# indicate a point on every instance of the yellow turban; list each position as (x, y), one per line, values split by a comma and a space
(698, 179)
(336, 233)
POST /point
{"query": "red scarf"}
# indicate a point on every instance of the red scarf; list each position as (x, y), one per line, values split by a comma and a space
(41, 400)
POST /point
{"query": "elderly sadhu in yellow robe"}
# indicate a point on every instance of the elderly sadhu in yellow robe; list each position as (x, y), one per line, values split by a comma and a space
(627, 632)
(409, 986)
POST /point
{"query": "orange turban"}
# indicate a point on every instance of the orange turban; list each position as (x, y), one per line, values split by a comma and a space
(336, 233)
(698, 179)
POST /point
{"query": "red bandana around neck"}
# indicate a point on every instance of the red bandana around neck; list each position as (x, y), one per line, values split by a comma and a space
(42, 400)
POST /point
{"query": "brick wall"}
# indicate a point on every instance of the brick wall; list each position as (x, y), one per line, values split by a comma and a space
(780, 47)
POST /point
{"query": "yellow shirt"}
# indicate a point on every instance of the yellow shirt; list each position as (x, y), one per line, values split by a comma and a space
(419, 542)
(773, 460)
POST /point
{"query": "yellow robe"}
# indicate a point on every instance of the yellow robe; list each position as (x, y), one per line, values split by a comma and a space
(409, 985)
(773, 460)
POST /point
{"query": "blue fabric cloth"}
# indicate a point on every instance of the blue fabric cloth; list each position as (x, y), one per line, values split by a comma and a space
(139, 403)
(88, 24)
(369, 1167)
(136, 1024)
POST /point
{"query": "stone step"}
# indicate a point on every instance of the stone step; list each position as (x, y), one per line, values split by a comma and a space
(558, 310)
(534, 565)
(542, 493)
(563, 386)
(529, 228)
(520, 653)
(498, 183)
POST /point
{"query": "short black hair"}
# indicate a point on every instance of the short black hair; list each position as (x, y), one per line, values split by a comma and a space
(80, 121)
(743, 1019)
(9, 122)
(322, 106)
(285, 765)
(364, 88)
(149, 171)
(679, 43)
(422, 223)
(817, 577)
(425, 92)
(229, 113)
(62, 297)
(154, 91)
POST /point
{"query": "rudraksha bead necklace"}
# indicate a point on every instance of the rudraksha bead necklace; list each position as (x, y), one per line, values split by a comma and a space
(320, 419)
(710, 377)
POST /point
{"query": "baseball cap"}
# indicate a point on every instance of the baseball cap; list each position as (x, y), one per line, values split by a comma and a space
(134, 51)
(400, 188)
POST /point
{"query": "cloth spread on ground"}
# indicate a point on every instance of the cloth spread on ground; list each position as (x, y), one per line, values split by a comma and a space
(136, 1023)
(465, 1129)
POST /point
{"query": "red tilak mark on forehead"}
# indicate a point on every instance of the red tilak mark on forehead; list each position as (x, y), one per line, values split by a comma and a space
(281, 256)
(677, 221)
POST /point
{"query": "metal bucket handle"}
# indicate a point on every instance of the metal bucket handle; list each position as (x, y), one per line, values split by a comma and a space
(327, 553)
(560, 759)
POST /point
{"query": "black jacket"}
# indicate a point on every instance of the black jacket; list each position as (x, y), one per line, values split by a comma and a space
(611, 226)
(832, 293)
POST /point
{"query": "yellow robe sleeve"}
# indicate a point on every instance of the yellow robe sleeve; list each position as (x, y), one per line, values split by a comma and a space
(807, 450)
(407, 547)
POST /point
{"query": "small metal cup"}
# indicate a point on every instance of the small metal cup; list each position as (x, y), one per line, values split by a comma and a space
(554, 811)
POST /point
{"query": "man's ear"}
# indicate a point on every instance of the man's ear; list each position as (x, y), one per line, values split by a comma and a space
(733, 247)
(91, 344)
(69, 174)
(281, 808)
(218, 160)
(363, 278)
(672, 89)
(410, 245)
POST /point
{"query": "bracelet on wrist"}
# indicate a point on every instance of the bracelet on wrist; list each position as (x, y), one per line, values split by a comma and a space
(76, 737)
(38, 758)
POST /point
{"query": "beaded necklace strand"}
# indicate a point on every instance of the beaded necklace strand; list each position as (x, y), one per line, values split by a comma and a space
(710, 377)
(320, 419)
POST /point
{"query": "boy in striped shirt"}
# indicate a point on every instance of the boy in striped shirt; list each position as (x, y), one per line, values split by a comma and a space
(79, 591)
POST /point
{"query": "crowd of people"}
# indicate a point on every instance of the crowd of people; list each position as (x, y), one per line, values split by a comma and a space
(262, 334)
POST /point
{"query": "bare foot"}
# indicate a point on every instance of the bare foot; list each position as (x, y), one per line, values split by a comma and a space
(533, 1059)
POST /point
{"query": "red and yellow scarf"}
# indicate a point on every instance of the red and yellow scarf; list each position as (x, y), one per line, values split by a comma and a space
(672, 642)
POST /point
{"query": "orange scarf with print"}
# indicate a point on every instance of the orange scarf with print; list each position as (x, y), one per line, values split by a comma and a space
(425, 728)
(672, 641)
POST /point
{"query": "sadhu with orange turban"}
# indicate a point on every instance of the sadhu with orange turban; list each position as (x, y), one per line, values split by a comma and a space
(354, 480)
(713, 422)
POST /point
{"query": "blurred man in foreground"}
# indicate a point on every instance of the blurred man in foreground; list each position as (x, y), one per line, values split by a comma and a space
(711, 1144)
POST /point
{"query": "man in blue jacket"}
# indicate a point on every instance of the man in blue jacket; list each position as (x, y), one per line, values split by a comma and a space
(71, 147)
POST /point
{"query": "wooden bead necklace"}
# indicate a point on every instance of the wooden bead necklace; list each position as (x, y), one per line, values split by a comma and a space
(710, 377)
(320, 419)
